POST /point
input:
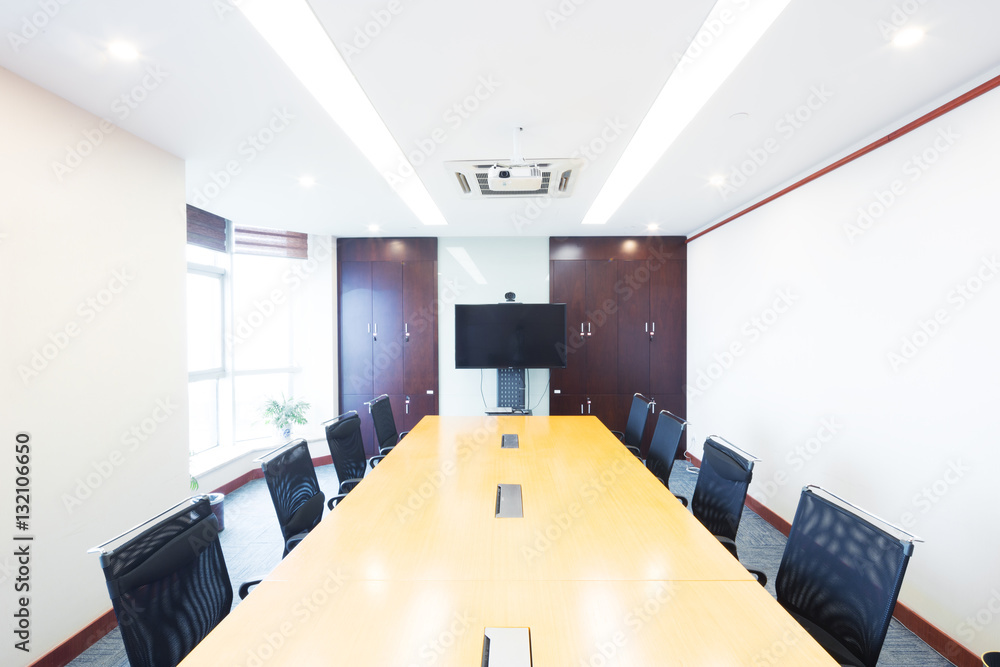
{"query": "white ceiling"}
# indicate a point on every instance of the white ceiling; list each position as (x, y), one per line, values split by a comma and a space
(217, 83)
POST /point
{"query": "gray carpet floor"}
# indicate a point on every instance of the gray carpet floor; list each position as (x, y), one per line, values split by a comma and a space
(252, 545)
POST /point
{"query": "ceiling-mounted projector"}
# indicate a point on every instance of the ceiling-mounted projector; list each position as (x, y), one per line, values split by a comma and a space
(515, 178)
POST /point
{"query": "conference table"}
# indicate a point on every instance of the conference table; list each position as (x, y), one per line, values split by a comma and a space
(605, 567)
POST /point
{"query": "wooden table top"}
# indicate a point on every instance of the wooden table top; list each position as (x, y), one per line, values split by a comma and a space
(606, 567)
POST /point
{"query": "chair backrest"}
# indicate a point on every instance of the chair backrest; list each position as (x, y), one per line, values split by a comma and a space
(295, 492)
(663, 447)
(385, 425)
(343, 435)
(636, 424)
(168, 583)
(721, 489)
(842, 572)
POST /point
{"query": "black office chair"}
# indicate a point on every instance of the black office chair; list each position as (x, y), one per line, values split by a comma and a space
(385, 426)
(663, 447)
(168, 583)
(343, 436)
(840, 575)
(721, 491)
(291, 479)
(636, 424)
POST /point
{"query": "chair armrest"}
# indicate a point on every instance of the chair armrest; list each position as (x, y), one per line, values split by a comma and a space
(294, 540)
(330, 504)
(684, 501)
(246, 586)
(373, 461)
(383, 451)
(349, 484)
(634, 450)
(401, 436)
(759, 576)
(729, 544)
(619, 435)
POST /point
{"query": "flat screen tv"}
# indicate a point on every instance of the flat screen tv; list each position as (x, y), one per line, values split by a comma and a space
(510, 335)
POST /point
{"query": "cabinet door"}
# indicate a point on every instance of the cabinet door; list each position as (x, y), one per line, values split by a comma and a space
(416, 406)
(633, 327)
(387, 323)
(567, 404)
(602, 328)
(420, 361)
(569, 286)
(356, 370)
(668, 311)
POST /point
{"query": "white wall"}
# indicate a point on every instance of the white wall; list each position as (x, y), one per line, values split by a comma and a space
(92, 270)
(501, 265)
(843, 351)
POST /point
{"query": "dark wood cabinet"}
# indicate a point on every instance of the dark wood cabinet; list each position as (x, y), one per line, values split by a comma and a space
(388, 328)
(626, 325)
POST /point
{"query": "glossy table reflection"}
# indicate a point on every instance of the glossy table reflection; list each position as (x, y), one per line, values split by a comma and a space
(606, 567)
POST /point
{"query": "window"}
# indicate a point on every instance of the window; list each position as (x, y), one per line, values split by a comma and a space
(240, 330)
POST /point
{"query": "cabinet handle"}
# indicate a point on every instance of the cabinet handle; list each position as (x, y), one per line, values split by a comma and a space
(588, 329)
(653, 331)
(375, 332)
(406, 405)
(406, 332)
(588, 406)
(582, 332)
(581, 408)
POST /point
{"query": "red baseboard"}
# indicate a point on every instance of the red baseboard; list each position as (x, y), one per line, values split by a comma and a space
(914, 622)
(71, 649)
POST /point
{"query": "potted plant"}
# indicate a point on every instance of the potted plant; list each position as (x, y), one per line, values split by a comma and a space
(284, 413)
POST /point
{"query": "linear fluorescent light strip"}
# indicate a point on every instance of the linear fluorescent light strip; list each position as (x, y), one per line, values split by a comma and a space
(687, 90)
(297, 36)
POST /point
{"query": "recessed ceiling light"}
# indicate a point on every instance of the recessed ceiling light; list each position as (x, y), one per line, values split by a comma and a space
(307, 181)
(652, 226)
(739, 115)
(907, 37)
(718, 180)
(123, 50)
(373, 228)
(687, 90)
(299, 39)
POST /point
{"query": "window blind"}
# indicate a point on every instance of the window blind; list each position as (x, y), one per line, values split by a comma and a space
(270, 242)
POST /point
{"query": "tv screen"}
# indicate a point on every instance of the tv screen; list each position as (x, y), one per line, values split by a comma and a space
(510, 335)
